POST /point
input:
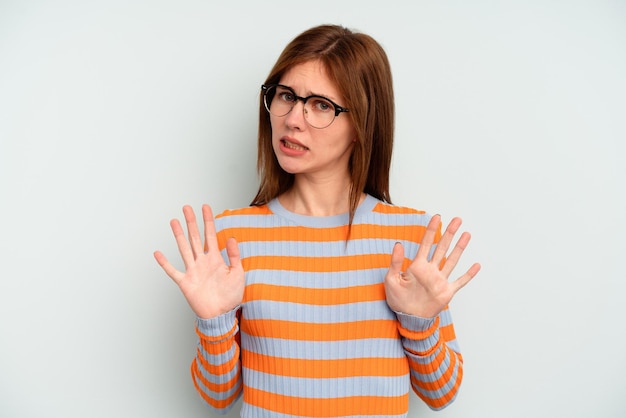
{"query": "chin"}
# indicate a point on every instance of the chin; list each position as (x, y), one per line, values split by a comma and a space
(288, 166)
(287, 169)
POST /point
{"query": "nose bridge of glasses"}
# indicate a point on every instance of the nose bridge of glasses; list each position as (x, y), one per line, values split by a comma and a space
(304, 101)
(298, 99)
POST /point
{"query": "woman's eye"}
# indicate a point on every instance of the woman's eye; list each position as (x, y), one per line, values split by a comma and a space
(322, 105)
(287, 96)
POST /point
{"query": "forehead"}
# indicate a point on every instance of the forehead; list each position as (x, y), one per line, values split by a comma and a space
(310, 78)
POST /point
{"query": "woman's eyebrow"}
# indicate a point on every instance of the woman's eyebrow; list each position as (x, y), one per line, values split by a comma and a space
(323, 95)
(311, 93)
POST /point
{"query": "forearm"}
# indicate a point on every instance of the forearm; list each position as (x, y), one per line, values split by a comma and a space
(216, 370)
(435, 361)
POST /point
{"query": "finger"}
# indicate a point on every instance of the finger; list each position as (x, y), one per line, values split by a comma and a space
(210, 235)
(232, 249)
(456, 253)
(429, 237)
(459, 283)
(397, 259)
(192, 230)
(160, 258)
(444, 243)
(184, 248)
(169, 269)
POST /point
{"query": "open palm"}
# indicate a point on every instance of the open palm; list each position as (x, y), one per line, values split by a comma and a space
(210, 286)
(424, 289)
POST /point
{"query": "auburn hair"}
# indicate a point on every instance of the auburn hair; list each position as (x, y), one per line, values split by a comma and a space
(360, 69)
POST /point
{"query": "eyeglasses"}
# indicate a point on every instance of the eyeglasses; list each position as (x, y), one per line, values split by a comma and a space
(319, 112)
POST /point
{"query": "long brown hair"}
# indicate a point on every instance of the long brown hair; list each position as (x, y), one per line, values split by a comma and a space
(359, 67)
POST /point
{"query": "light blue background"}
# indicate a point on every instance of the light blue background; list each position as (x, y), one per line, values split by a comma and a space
(113, 114)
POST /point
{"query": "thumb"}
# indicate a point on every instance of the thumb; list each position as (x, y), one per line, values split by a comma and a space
(397, 259)
(232, 249)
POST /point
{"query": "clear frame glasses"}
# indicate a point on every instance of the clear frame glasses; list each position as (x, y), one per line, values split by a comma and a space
(319, 111)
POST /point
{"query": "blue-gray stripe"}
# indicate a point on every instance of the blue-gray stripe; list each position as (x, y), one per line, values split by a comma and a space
(318, 314)
(434, 394)
(218, 378)
(325, 350)
(218, 359)
(324, 249)
(328, 388)
(218, 395)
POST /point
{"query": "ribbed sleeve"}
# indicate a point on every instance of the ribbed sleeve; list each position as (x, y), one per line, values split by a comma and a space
(317, 338)
(216, 369)
(436, 368)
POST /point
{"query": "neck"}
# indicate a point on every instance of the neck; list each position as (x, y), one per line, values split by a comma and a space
(317, 197)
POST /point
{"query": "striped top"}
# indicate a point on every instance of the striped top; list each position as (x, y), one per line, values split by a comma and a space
(314, 336)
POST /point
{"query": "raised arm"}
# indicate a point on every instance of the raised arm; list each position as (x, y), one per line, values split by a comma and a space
(214, 291)
(420, 296)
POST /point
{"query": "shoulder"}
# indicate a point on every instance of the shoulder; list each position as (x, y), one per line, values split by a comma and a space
(388, 208)
(246, 211)
(387, 213)
(246, 217)
(400, 223)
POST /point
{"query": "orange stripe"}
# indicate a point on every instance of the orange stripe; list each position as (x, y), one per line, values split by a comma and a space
(217, 369)
(215, 387)
(217, 348)
(250, 210)
(325, 369)
(434, 365)
(327, 407)
(396, 210)
(210, 338)
(420, 335)
(301, 233)
(341, 331)
(314, 296)
(445, 399)
(317, 264)
(443, 379)
(218, 404)
(447, 332)
(426, 368)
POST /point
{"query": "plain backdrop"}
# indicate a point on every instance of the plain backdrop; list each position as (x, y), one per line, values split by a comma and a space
(114, 114)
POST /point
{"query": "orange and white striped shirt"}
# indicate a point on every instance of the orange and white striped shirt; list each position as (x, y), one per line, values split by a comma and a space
(314, 336)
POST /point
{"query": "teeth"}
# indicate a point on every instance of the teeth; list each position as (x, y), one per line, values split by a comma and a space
(291, 145)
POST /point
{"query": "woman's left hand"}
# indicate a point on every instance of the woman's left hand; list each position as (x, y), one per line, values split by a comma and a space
(423, 289)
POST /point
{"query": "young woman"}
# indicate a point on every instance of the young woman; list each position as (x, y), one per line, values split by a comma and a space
(322, 298)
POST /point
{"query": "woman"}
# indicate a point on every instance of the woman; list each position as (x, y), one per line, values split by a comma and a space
(322, 298)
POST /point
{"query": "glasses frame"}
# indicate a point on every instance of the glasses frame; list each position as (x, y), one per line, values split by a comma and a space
(267, 87)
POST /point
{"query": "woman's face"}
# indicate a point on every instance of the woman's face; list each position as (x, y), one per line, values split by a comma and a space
(302, 149)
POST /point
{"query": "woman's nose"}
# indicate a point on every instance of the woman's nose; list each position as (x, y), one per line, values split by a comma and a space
(295, 119)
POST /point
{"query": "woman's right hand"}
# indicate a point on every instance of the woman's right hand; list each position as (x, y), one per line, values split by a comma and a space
(210, 286)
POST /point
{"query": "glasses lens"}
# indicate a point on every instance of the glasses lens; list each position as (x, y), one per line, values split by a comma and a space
(319, 112)
(279, 101)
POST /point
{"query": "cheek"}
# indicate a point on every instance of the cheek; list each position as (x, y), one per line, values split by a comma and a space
(348, 138)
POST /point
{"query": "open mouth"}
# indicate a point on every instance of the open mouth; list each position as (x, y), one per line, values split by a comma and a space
(293, 146)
